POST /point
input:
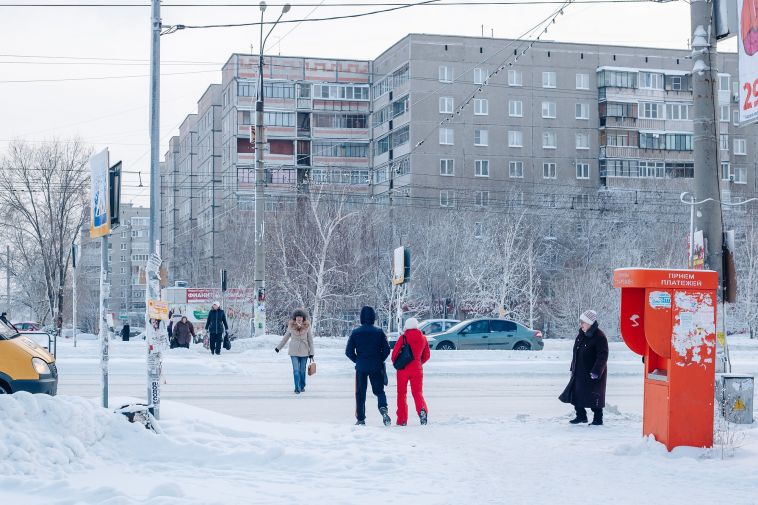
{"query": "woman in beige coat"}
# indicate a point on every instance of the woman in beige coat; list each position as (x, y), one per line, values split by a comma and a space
(300, 337)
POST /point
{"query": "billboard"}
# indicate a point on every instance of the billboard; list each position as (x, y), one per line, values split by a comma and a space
(747, 42)
(100, 216)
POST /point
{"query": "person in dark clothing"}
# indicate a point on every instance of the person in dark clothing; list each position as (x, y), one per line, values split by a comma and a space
(368, 348)
(589, 371)
(216, 325)
(183, 333)
(125, 332)
(4, 319)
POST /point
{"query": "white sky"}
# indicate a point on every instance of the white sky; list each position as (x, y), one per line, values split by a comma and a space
(114, 112)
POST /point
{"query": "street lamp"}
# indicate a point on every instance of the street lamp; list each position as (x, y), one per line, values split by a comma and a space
(260, 181)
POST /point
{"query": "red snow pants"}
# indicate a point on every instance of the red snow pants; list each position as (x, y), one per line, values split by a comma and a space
(414, 374)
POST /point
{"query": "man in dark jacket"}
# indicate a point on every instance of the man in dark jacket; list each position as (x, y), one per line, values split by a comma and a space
(126, 332)
(216, 325)
(589, 371)
(368, 348)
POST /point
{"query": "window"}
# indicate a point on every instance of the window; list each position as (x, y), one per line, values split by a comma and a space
(678, 111)
(481, 137)
(617, 138)
(724, 82)
(279, 119)
(651, 110)
(724, 142)
(582, 140)
(515, 138)
(478, 230)
(651, 169)
(616, 79)
(123, 247)
(447, 198)
(445, 73)
(123, 258)
(740, 175)
(736, 117)
(548, 79)
(549, 141)
(724, 115)
(447, 137)
(740, 146)
(482, 168)
(548, 171)
(244, 89)
(337, 120)
(480, 75)
(279, 90)
(515, 108)
(482, 198)
(582, 170)
(667, 141)
(447, 167)
(725, 172)
(548, 110)
(651, 80)
(582, 111)
(446, 105)
(582, 81)
(332, 92)
(515, 78)
(123, 270)
(478, 327)
(481, 106)
(516, 169)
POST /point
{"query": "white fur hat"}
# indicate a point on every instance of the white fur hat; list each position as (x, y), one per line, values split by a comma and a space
(588, 316)
(411, 324)
(217, 304)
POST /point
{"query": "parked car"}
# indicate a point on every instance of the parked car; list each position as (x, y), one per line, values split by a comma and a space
(28, 326)
(24, 365)
(489, 334)
(428, 327)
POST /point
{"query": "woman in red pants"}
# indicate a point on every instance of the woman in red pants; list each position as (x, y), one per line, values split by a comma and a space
(413, 372)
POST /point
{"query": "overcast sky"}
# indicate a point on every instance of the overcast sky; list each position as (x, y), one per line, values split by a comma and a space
(114, 112)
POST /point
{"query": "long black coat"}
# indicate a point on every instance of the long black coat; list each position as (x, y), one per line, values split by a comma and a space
(590, 357)
(216, 322)
(367, 346)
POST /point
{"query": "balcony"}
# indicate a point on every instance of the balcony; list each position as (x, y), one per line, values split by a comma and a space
(619, 152)
(618, 122)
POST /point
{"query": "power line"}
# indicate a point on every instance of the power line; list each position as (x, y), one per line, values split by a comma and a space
(367, 4)
(100, 78)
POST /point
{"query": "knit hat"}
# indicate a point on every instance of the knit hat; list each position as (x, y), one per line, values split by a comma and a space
(411, 324)
(217, 304)
(588, 316)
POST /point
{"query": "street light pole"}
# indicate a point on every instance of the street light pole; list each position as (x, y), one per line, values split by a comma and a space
(260, 182)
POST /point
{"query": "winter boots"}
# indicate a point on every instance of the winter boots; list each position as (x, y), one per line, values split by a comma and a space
(423, 417)
(581, 416)
(597, 419)
(385, 417)
(360, 423)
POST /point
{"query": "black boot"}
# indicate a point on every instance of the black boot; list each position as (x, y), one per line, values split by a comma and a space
(385, 417)
(360, 423)
(597, 418)
(423, 416)
(581, 416)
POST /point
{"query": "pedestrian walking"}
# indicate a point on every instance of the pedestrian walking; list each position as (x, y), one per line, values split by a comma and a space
(216, 326)
(184, 332)
(368, 348)
(589, 371)
(412, 372)
(125, 332)
(300, 336)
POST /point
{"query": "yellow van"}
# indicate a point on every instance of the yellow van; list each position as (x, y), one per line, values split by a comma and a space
(24, 365)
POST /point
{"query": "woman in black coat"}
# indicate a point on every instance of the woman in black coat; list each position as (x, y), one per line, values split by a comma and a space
(589, 372)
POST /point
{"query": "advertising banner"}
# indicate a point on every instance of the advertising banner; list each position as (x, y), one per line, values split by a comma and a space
(100, 221)
(747, 47)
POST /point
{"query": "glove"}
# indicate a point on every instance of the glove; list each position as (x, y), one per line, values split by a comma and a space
(594, 376)
(276, 349)
(311, 356)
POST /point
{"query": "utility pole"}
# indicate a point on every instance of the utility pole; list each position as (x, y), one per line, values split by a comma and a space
(8, 279)
(705, 137)
(260, 205)
(74, 294)
(104, 293)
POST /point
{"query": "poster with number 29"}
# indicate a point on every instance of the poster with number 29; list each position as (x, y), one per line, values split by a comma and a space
(748, 49)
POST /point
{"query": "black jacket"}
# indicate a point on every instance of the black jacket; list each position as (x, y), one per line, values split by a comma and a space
(367, 346)
(590, 357)
(216, 323)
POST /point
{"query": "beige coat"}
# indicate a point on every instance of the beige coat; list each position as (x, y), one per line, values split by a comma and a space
(301, 339)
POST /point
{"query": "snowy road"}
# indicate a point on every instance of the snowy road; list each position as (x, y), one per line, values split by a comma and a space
(234, 433)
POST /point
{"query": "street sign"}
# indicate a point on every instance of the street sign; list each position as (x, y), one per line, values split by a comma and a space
(747, 48)
(100, 216)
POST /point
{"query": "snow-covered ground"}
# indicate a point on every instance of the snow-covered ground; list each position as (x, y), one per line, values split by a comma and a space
(234, 433)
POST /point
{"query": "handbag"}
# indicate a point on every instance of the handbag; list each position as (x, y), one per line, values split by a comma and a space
(568, 394)
(312, 368)
(227, 342)
(404, 357)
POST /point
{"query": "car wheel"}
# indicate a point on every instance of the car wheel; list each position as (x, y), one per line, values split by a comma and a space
(446, 346)
(522, 346)
(3, 389)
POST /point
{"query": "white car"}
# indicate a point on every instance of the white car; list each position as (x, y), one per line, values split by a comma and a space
(428, 327)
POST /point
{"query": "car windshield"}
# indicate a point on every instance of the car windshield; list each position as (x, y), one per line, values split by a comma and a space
(6, 332)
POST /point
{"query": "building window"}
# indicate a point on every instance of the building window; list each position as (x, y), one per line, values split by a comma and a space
(482, 168)
(481, 106)
(582, 111)
(481, 137)
(446, 104)
(123, 246)
(724, 115)
(480, 76)
(447, 198)
(724, 82)
(482, 198)
(515, 138)
(244, 89)
(516, 169)
(616, 79)
(515, 78)
(679, 111)
(725, 172)
(548, 80)
(651, 110)
(447, 167)
(548, 110)
(740, 147)
(651, 80)
(123, 270)
(515, 108)
(549, 140)
(549, 171)
(740, 175)
(724, 141)
(478, 230)
(445, 73)
(123, 258)
(447, 137)
(582, 81)
(582, 170)
(736, 117)
(582, 140)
